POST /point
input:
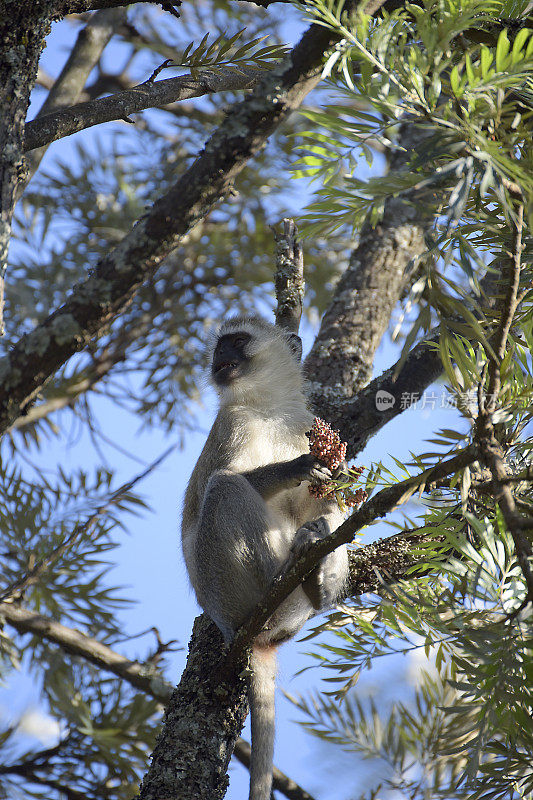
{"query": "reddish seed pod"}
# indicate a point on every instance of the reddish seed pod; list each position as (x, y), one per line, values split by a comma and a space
(325, 444)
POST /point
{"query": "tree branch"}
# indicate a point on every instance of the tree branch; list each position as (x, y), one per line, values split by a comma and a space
(80, 6)
(85, 53)
(101, 365)
(23, 27)
(289, 277)
(65, 7)
(73, 641)
(31, 775)
(360, 418)
(150, 94)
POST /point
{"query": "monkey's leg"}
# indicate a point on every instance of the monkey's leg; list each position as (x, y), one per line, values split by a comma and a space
(237, 550)
(324, 584)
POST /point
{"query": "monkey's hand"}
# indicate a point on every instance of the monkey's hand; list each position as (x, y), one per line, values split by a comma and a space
(308, 468)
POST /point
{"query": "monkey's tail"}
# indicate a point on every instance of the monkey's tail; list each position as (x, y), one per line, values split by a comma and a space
(262, 686)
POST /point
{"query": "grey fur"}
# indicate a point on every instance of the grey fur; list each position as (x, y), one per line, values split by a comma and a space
(246, 509)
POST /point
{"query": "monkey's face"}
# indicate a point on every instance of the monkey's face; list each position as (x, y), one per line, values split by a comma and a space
(230, 359)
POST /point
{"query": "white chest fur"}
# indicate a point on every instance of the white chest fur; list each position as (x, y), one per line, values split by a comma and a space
(265, 441)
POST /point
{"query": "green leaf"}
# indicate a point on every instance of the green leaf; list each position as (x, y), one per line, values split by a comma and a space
(519, 42)
(486, 61)
(502, 50)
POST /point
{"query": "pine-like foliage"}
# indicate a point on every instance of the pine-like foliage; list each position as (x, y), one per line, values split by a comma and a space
(462, 72)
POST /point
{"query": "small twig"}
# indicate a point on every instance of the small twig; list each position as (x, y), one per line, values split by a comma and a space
(507, 309)
(171, 6)
(162, 647)
(157, 70)
(37, 570)
(289, 277)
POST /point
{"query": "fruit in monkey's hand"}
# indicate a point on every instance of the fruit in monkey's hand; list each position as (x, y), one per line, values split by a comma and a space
(326, 445)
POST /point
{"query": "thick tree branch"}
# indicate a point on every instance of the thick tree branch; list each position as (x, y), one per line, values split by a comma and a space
(361, 418)
(23, 27)
(341, 359)
(150, 94)
(201, 725)
(93, 304)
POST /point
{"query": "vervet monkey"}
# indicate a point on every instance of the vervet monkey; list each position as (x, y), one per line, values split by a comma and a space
(248, 510)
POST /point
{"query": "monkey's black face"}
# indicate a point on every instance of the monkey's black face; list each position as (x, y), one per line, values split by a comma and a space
(229, 359)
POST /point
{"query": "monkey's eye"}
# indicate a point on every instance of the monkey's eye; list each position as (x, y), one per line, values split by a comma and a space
(240, 341)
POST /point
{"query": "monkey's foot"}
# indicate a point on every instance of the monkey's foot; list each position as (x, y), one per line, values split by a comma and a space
(304, 538)
(307, 535)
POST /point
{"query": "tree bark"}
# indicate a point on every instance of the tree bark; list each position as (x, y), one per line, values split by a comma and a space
(203, 720)
(23, 27)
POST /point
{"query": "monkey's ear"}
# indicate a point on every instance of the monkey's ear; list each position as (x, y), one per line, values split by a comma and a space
(295, 343)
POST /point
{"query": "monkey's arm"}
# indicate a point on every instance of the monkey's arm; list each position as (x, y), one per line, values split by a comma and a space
(273, 478)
